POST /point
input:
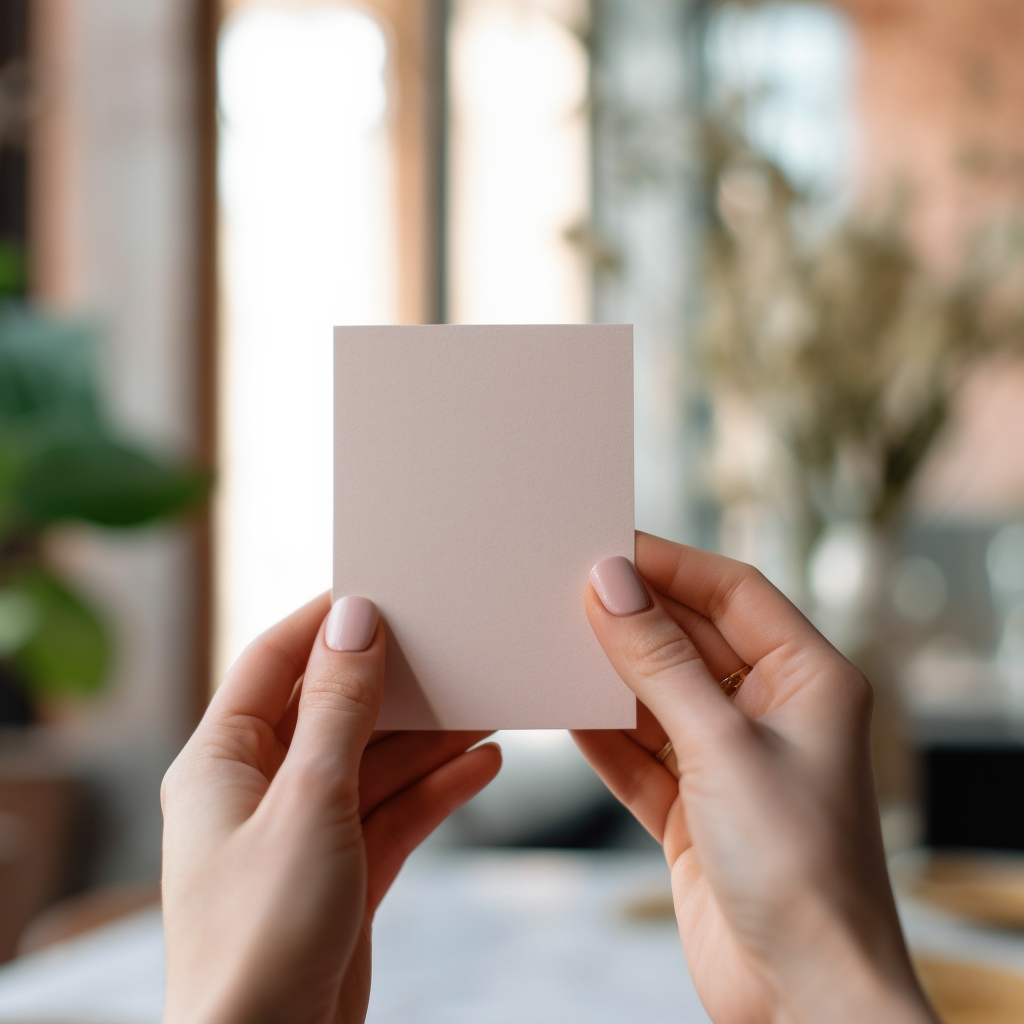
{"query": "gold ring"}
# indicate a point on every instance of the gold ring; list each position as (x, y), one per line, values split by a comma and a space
(730, 684)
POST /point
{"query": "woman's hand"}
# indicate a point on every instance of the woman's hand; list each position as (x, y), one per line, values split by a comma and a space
(765, 806)
(287, 819)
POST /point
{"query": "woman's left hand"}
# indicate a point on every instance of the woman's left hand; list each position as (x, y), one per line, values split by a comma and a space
(287, 819)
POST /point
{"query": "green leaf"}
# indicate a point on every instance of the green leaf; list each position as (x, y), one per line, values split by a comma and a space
(10, 467)
(19, 620)
(13, 268)
(69, 649)
(47, 372)
(105, 482)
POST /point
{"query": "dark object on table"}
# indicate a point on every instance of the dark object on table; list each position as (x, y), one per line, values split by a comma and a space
(974, 796)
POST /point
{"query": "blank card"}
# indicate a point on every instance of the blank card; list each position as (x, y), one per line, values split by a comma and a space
(479, 473)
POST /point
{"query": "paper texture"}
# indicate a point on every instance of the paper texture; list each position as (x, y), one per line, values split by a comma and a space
(479, 473)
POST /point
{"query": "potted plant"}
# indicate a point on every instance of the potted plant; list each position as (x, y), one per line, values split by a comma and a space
(62, 461)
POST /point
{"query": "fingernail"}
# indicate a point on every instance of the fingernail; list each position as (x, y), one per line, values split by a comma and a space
(618, 586)
(351, 624)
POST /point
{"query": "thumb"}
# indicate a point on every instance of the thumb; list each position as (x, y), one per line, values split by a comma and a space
(658, 661)
(339, 702)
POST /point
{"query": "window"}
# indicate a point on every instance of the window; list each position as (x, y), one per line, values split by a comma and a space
(330, 149)
(520, 161)
(307, 240)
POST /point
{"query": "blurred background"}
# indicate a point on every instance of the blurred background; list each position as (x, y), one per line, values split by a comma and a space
(813, 214)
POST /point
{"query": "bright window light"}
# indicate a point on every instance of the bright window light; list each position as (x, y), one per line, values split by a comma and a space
(519, 163)
(307, 242)
(794, 62)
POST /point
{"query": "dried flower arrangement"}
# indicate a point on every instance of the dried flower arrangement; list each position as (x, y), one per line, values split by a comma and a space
(842, 341)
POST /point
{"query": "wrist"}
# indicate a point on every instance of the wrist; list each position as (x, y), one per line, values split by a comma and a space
(210, 1004)
(842, 976)
(859, 995)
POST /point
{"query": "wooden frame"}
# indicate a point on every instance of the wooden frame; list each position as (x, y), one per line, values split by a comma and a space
(207, 25)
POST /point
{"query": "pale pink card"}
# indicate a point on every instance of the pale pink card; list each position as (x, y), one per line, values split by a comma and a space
(479, 473)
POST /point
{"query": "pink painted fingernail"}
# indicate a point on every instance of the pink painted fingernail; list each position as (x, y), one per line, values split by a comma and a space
(351, 624)
(618, 586)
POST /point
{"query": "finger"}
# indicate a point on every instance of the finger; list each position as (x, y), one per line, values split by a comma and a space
(260, 682)
(720, 659)
(752, 615)
(398, 826)
(651, 735)
(756, 697)
(714, 650)
(402, 759)
(643, 785)
(338, 705)
(286, 725)
(658, 661)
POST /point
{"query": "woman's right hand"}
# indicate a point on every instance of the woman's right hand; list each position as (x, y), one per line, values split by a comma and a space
(765, 805)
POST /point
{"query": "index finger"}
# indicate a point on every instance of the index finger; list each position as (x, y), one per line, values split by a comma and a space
(261, 681)
(753, 615)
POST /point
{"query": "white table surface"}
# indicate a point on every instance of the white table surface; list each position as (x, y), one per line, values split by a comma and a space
(462, 937)
(466, 937)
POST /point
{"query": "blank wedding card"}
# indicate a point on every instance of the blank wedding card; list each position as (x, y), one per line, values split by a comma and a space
(479, 473)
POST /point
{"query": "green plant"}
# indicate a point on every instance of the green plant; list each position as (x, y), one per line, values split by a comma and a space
(61, 461)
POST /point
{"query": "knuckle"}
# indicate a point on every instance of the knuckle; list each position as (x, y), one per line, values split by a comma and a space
(663, 651)
(171, 782)
(732, 584)
(166, 786)
(860, 693)
(350, 692)
(847, 684)
(175, 781)
(234, 737)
